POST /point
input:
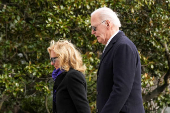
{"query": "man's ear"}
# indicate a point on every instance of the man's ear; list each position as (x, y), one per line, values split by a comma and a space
(107, 22)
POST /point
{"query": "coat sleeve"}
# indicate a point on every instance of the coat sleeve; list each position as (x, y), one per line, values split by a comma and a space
(123, 78)
(77, 90)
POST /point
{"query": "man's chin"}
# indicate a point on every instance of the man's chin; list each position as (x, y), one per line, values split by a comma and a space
(99, 41)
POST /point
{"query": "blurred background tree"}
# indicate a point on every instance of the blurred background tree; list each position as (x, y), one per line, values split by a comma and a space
(27, 27)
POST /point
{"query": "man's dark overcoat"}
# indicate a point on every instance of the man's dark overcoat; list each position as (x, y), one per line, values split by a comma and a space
(119, 78)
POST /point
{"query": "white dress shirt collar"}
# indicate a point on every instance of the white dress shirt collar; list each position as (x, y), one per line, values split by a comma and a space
(110, 40)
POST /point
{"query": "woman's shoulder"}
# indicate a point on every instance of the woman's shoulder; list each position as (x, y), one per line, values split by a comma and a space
(72, 73)
(75, 77)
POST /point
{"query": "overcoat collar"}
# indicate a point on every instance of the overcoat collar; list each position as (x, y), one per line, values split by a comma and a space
(110, 45)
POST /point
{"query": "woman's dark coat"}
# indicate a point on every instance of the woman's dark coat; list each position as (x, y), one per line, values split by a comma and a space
(71, 94)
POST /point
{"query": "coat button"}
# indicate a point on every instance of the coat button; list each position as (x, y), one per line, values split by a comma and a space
(97, 110)
(97, 92)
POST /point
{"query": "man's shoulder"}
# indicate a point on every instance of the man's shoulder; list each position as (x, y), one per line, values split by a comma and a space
(123, 39)
(118, 37)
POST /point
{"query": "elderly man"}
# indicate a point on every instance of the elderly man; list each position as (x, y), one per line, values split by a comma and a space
(119, 72)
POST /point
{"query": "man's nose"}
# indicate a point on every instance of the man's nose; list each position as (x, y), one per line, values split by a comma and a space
(92, 32)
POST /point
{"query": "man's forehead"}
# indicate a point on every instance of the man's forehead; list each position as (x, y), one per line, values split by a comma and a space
(94, 19)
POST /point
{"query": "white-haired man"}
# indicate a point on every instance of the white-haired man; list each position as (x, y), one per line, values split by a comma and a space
(119, 72)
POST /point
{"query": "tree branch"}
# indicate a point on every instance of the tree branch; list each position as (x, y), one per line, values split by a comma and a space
(4, 98)
(161, 88)
(46, 101)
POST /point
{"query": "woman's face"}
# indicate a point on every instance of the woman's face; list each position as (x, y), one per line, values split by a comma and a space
(54, 60)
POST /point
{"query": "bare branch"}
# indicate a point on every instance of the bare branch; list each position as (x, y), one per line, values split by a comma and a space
(162, 87)
(4, 98)
(154, 93)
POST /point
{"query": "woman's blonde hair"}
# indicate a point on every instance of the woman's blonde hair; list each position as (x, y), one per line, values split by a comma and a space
(69, 56)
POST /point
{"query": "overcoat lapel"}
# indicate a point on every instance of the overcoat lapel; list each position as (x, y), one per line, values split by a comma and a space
(108, 48)
(59, 79)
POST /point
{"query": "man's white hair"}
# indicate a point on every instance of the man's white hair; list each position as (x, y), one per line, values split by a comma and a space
(105, 13)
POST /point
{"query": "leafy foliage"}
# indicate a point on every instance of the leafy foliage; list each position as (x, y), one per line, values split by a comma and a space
(28, 26)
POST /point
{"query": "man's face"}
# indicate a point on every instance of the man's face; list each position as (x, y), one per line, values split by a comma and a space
(99, 29)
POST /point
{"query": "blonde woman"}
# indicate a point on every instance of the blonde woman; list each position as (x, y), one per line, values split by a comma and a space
(69, 91)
